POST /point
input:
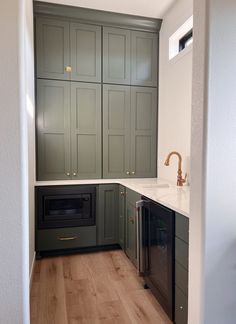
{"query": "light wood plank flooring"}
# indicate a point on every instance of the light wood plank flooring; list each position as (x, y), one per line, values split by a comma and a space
(92, 288)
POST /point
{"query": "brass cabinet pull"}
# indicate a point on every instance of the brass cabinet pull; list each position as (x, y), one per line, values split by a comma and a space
(74, 174)
(128, 173)
(70, 238)
(68, 174)
(122, 193)
(68, 69)
(133, 172)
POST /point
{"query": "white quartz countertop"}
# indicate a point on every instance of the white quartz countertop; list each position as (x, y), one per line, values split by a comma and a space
(159, 190)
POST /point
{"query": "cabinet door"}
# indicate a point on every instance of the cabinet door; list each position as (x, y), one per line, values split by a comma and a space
(116, 131)
(85, 41)
(144, 59)
(130, 229)
(116, 55)
(53, 129)
(86, 130)
(52, 48)
(122, 216)
(108, 215)
(143, 131)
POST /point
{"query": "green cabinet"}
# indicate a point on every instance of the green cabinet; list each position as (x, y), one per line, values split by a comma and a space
(181, 268)
(53, 129)
(68, 51)
(116, 55)
(122, 193)
(85, 49)
(144, 59)
(130, 225)
(129, 57)
(107, 218)
(85, 130)
(129, 131)
(68, 130)
(52, 48)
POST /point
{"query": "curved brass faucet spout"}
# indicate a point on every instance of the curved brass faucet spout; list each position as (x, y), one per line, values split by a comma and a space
(180, 180)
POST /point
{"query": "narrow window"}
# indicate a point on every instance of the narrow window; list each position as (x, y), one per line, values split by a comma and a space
(186, 40)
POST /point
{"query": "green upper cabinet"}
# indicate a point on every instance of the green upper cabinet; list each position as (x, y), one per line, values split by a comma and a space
(53, 129)
(116, 131)
(107, 223)
(85, 130)
(144, 59)
(116, 55)
(129, 131)
(129, 57)
(85, 49)
(53, 48)
(143, 131)
(68, 51)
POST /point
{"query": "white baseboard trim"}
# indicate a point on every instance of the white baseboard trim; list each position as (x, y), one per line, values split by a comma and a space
(32, 270)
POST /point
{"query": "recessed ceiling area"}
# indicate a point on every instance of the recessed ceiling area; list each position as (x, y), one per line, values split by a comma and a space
(145, 8)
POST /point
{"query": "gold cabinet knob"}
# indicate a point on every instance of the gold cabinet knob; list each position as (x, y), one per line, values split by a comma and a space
(68, 69)
(68, 174)
(128, 173)
(133, 172)
(122, 193)
(74, 174)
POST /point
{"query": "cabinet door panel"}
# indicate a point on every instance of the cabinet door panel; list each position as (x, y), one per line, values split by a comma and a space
(85, 43)
(116, 55)
(122, 216)
(143, 131)
(52, 48)
(53, 129)
(86, 130)
(144, 59)
(108, 215)
(116, 124)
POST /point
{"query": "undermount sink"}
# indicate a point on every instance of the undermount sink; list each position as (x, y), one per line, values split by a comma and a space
(156, 186)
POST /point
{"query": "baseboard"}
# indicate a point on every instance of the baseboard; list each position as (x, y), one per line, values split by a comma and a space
(32, 270)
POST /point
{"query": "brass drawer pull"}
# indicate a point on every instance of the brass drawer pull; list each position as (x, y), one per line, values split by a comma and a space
(70, 238)
(68, 69)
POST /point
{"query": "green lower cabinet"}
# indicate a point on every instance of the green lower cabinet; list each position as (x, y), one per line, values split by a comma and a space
(181, 268)
(107, 214)
(130, 225)
(65, 238)
(122, 217)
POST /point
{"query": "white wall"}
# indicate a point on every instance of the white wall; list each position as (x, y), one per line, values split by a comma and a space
(175, 89)
(213, 185)
(148, 8)
(14, 233)
(30, 109)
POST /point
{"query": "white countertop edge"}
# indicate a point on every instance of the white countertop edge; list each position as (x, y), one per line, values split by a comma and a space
(175, 198)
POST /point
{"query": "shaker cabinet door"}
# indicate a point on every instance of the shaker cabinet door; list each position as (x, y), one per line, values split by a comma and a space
(143, 131)
(85, 48)
(86, 130)
(116, 55)
(107, 222)
(116, 128)
(144, 59)
(52, 48)
(53, 129)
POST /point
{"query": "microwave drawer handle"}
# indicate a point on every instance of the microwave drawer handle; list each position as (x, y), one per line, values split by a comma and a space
(69, 238)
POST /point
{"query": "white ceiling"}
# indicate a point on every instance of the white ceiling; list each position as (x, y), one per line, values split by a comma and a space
(146, 8)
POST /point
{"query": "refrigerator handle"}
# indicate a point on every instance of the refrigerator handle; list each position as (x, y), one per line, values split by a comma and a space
(139, 224)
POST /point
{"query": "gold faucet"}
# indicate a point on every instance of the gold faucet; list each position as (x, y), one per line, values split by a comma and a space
(180, 180)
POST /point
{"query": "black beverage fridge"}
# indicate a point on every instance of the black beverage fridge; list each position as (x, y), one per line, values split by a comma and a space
(155, 250)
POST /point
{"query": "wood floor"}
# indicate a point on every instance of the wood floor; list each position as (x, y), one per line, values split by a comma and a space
(92, 288)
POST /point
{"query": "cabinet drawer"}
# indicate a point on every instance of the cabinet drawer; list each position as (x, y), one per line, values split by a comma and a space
(181, 252)
(181, 307)
(182, 227)
(65, 238)
(181, 278)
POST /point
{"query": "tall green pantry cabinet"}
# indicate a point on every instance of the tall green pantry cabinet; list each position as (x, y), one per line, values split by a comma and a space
(96, 93)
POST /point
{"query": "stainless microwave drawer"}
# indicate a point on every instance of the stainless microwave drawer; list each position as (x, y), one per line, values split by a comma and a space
(65, 238)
